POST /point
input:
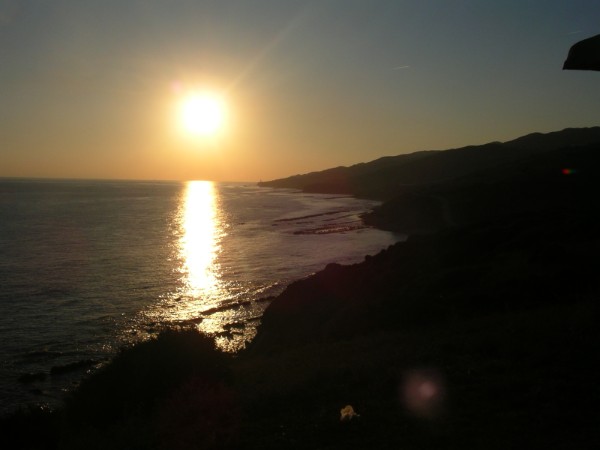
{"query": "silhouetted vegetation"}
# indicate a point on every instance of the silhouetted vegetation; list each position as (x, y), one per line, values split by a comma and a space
(150, 391)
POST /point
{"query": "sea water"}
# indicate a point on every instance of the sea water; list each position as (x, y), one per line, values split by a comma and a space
(89, 266)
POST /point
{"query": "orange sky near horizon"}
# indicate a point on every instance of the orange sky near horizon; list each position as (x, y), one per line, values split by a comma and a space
(91, 89)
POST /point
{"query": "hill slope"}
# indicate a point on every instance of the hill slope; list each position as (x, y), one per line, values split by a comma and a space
(494, 314)
(387, 177)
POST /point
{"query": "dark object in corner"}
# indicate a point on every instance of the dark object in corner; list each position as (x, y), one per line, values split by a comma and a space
(584, 55)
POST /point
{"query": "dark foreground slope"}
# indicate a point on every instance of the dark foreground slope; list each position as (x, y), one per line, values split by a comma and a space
(481, 335)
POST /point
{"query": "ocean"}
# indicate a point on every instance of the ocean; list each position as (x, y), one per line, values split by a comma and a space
(87, 267)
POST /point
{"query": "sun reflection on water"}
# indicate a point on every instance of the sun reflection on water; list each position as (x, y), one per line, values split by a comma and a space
(200, 241)
(204, 298)
(200, 231)
(207, 296)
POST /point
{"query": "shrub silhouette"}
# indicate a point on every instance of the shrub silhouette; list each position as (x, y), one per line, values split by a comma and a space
(131, 402)
(199, 414)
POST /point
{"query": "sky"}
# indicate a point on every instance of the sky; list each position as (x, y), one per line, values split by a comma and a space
(91, 88)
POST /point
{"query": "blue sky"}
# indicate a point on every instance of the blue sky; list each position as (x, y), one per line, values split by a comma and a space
(88, 89)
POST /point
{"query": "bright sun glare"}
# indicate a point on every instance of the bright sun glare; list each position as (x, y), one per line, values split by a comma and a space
(203, 114)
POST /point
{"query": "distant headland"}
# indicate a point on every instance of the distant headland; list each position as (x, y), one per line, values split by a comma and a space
(428, 190)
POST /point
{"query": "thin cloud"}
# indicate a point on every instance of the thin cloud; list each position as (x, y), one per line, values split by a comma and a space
(400, 67)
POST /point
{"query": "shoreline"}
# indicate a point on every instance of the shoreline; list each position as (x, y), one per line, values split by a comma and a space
(476, 335)
(40, 383)
(452, 308)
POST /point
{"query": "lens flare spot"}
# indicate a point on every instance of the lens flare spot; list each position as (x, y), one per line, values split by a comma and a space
(422, 393)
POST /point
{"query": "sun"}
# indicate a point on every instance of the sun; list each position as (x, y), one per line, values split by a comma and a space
(202, 114)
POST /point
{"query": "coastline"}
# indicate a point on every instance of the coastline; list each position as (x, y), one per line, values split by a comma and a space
(476, 333)
(498, 327)
(37, 374)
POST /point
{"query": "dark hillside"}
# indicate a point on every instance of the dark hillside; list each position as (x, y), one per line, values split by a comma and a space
(522, 263)
(387, 177)
(347, 180)
(498, 319)
(494, 309)
(562, 181)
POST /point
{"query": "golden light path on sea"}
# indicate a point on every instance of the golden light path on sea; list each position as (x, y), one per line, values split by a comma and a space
(199, 231)
(199, 244)
(205, 297)
(203, 228)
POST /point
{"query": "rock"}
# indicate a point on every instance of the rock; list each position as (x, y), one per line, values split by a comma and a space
(72, 367)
